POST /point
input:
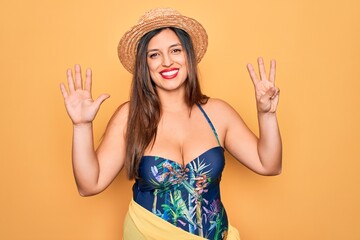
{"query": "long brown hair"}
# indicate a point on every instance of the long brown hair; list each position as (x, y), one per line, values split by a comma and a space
(145, 106)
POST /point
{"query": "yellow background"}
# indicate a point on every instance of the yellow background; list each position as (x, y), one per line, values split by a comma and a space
(317, 47)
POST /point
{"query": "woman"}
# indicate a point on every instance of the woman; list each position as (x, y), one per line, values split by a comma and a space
(170, 137)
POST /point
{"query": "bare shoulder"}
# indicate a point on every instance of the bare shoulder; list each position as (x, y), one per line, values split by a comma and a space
(120, 116)
(223, 116)
(219, 107)
(221, 113)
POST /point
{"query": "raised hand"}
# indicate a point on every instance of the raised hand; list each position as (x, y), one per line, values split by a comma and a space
(79, 104)
(267, 94)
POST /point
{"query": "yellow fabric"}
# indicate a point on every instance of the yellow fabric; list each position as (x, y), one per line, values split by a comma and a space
(140, 224)
(233, 233)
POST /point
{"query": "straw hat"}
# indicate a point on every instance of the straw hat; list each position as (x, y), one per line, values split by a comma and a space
(159, 18)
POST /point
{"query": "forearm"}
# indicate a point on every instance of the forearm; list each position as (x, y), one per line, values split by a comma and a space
(269, 144)
(85, 163)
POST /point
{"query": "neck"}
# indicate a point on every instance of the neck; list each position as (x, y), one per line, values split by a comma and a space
(173, 101)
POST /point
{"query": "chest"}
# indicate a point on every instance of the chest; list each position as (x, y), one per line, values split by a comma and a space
(182, 138)
(160, 173)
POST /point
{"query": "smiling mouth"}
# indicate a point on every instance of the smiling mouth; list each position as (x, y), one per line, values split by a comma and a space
(169, 73)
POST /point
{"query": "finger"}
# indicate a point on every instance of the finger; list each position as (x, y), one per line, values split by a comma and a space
(272, 92)
(101, 99)
(266, 98)
(261, 69)
(88, 80)
(70, 81)
(277, 93)
(252, 73)
(63, 90)
(78, 80)
(272, 71)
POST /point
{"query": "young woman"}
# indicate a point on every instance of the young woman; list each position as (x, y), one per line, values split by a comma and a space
(169, 137)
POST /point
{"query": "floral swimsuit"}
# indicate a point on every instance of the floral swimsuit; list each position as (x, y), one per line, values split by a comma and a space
(185, 196)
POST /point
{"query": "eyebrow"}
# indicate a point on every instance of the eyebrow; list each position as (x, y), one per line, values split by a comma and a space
(155, 49)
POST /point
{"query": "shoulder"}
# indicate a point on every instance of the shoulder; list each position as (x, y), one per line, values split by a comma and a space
(221, 113)
(120, 116)
(215, 106)
(223, 116)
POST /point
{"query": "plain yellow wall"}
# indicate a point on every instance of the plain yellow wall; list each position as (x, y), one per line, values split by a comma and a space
(317, 47)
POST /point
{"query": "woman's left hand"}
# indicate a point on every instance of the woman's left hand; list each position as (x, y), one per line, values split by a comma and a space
(267, 94)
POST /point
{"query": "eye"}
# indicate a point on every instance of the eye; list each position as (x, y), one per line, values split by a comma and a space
(176, 50)
(153, 55)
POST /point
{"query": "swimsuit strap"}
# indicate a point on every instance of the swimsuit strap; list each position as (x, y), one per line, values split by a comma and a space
(210, 123)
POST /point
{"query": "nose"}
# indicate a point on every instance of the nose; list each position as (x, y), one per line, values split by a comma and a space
(167, 61)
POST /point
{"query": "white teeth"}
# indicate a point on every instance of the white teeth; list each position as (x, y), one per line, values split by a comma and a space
(169, 73)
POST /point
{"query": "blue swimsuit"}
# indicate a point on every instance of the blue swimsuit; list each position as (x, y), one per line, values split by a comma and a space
(185, 196)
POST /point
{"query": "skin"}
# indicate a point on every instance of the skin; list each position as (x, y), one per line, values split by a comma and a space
(166, 52)
(181, 137)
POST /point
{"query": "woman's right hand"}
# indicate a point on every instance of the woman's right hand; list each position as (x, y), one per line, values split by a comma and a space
(79, 104)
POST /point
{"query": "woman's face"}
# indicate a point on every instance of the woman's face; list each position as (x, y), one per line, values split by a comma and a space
(166, 59)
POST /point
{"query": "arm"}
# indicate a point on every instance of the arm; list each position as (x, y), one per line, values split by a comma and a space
(261, 154)
(269, 144)
(93, 171)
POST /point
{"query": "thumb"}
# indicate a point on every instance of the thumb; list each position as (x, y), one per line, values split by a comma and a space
(101, 99)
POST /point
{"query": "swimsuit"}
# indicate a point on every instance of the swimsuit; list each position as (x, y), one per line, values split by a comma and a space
(186, 196)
